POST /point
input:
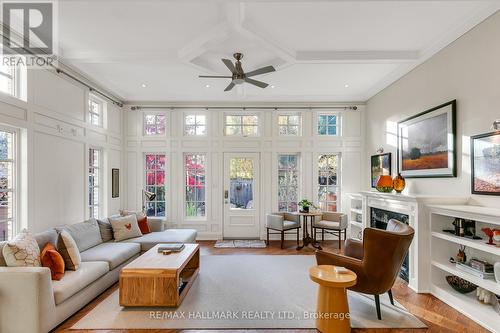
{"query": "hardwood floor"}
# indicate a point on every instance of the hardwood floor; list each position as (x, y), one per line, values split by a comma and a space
(438, 316)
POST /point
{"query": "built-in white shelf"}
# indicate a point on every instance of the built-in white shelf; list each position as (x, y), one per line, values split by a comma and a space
(357, 224)
(357, 211)
(470, 212)
(478, 244)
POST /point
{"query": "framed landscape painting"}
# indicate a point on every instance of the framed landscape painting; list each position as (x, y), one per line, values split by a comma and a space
(380, 165)
(426, 143)
(485, 163)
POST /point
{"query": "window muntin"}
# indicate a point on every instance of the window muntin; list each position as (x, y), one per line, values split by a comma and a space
(155, 183)
(195, 182)
(240, 125)
(13, 80)
(288, 182)
(328, 124)
(289, 125)
(154, 124)
(96, 107)
(94, 182)
(328, 187)
(7, 184)
(195, 125)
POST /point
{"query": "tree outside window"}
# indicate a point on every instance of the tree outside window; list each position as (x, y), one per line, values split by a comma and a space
(195, 169)
(155, 183)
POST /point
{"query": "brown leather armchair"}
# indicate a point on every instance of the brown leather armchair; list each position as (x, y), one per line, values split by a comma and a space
(376, 261)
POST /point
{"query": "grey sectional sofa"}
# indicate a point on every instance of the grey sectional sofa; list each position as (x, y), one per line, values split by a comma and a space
(30, 302)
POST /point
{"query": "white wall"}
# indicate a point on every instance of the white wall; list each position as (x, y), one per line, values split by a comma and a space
(55, 138)
(268, 144)
(468, 70)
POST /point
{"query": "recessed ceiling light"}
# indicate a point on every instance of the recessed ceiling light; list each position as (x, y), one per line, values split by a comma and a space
(207, 86)
(272, 86)
(346, 86)
(143, 85)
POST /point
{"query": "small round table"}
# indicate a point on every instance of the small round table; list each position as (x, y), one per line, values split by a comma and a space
(307, 239)
(332, 307)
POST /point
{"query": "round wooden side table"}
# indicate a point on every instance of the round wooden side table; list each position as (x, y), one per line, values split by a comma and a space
(332, 307)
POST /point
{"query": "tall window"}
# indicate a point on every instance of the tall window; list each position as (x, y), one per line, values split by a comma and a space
(328, 124)
(94, 182)
(239, 125)
(96, 107)
(154, 124)
(7, 183)
(195, 168)
(155, 183)
(195, 124)
(328, 187)
(11, 80)
(289, 125)
(288, 182)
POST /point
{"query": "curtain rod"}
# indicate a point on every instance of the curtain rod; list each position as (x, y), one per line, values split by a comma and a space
(351, 107)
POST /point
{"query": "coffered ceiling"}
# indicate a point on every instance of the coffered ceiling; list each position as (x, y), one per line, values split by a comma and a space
(334, 51)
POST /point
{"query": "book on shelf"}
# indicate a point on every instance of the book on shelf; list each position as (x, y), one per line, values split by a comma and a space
(467, 268)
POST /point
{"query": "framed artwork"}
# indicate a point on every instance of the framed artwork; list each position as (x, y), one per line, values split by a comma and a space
(426, 143)
(380, 165)
(115, 183)
(485, 163)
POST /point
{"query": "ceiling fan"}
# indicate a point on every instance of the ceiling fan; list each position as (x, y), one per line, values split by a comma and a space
(239, 76)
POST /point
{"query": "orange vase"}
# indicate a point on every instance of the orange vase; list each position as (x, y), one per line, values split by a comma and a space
(384, 184)
(399, 183)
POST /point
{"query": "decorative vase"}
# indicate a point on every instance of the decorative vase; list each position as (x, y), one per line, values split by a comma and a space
(496, 269)
(384, 184)
(496, 235)
(399, 183)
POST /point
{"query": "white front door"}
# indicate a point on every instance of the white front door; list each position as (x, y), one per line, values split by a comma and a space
(241, 195)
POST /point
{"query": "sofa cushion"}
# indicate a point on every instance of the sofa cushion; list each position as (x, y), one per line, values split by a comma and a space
(113, 253)
(86, 234)
(44, 237)
(22, 251)
(53, 260)
(106, 229)
(69, 251)
(168, 236)
(2, 259)
(328, 224)
(125, 227)
(74, 281)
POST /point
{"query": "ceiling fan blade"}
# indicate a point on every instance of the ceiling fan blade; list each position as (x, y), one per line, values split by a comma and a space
(256, 83)
(229, 64)
(229, 87)
(263, 70)
(215, 76)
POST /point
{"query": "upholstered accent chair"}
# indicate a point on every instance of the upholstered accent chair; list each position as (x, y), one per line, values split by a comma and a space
(376, 261)
(332, 223)
(282, 222)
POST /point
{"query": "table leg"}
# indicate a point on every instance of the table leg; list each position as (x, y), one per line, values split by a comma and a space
(332, 310)
(304, 227)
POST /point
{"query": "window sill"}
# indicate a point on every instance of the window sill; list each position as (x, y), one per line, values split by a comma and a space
(14, 101)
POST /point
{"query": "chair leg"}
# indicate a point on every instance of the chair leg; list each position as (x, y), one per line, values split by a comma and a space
(390, 296)
(340, 239)
(322, 235)
(298, 229)
(267, 236)
(282, 238)
(377, 305)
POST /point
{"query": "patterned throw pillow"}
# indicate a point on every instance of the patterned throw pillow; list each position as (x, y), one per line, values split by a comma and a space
(142, 220)
(69, 251)
(53, 260)
(125, 227)
(22, 251)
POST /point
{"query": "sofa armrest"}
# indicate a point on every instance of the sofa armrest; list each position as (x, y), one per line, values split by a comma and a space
(156, 223)
(274, 221)
(26, 299)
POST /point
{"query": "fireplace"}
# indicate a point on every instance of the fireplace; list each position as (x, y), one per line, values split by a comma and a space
(379, 219)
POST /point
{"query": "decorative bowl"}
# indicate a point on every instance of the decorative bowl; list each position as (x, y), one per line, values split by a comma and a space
(460, 285)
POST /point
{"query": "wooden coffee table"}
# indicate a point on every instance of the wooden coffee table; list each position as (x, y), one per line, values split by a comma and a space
(155, 279)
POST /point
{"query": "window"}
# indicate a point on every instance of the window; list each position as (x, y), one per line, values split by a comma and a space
(195, 168)
(289, 124)
(7, 184)
(94, 182)
(96, 107)
(327, 124)
(288, 182)
(328, 187)
(155, 183)
(154, 124)
(195, 124)
(12, 80)
(237, 125)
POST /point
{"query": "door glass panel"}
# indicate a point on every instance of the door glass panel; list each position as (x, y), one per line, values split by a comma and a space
(241, 174)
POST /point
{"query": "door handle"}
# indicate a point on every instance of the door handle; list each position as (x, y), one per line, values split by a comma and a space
(226, 194)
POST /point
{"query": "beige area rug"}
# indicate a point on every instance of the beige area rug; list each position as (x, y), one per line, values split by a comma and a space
(243, 243)
(246, 292)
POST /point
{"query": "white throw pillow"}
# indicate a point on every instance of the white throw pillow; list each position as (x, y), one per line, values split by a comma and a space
(22, 251)
(125, 227)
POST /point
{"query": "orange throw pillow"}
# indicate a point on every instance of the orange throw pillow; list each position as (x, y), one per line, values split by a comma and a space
(143, 224)
(53, 260)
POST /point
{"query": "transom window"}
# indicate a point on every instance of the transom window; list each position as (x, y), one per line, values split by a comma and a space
(195, 169)
(155, 183)
(12, 81)
(195, 124)
(328, 187)
(94, 182)
(289, 125)
(239, 125)
(288, 182)
(7, 181)
(96, 107)
(154, 124)
(328, 124)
